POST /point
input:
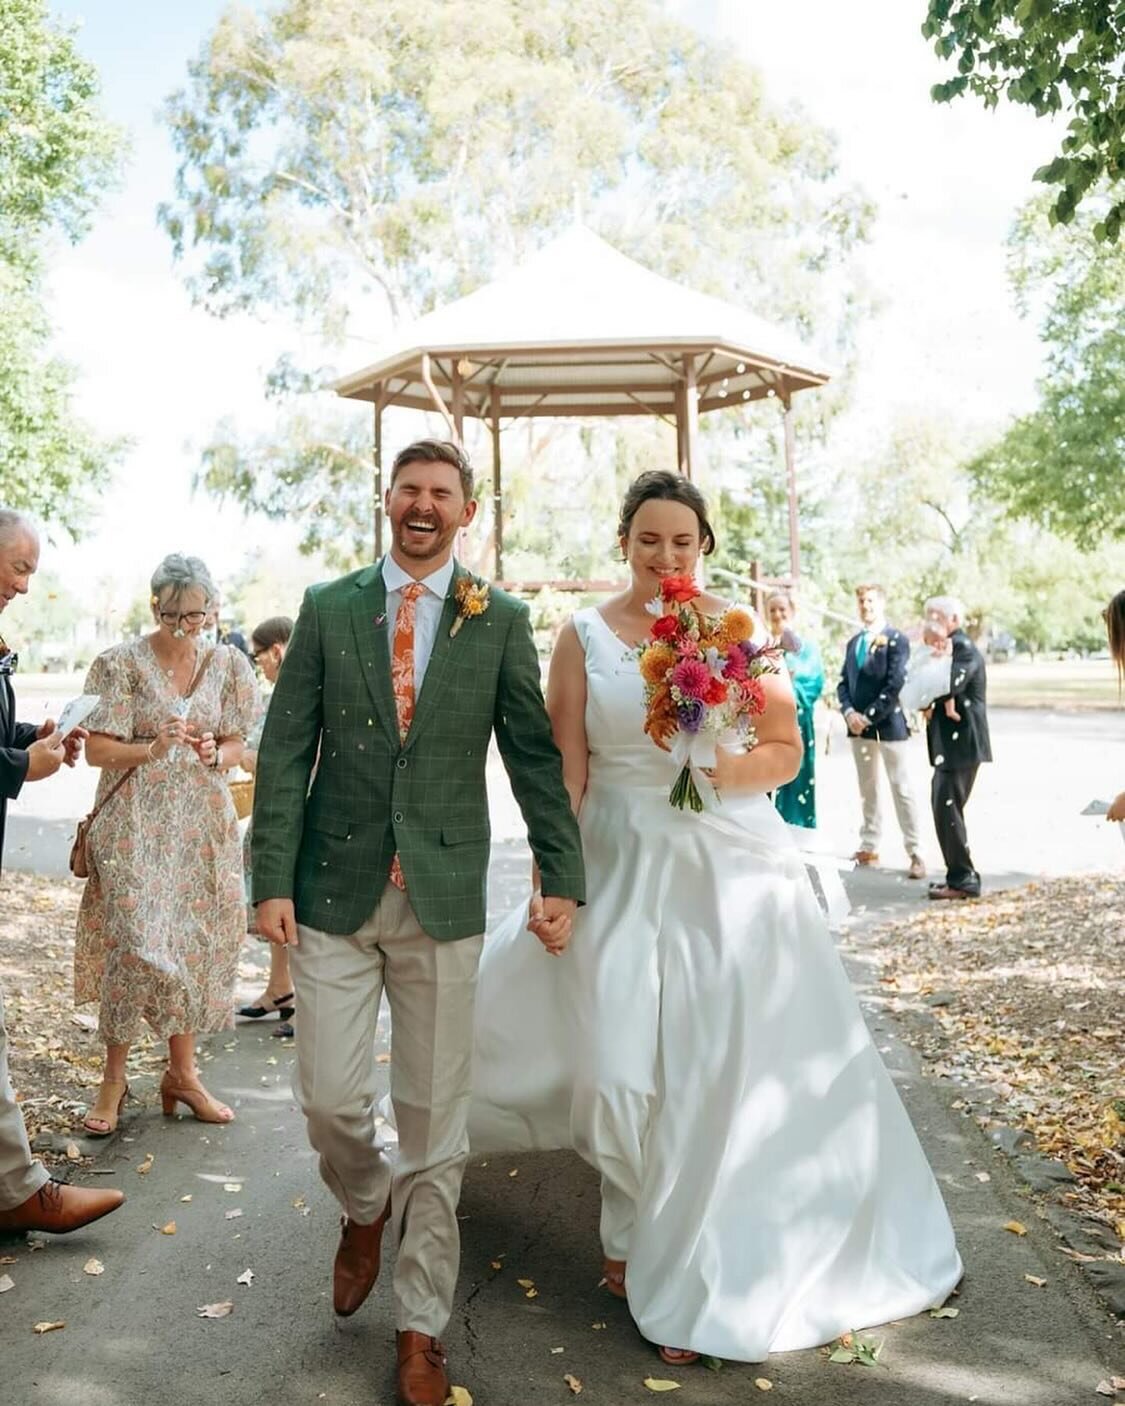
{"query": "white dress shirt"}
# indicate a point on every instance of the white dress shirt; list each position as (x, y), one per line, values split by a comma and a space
(427, 611)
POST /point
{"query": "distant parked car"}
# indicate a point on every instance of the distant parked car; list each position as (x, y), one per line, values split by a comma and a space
(1001, 647)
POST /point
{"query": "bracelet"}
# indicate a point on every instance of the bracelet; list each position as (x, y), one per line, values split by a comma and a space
(217, 763)
(148, 750)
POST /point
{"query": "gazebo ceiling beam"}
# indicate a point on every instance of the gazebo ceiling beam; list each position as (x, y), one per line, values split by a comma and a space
(652, 410)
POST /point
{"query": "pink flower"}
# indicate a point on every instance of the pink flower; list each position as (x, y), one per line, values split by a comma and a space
(735, 667)
(692, 677)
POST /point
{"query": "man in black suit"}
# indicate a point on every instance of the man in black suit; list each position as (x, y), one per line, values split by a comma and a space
(30, 1199)
(957, 735)
(872, 677)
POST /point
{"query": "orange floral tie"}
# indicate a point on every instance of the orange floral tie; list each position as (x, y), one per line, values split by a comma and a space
(402, 682)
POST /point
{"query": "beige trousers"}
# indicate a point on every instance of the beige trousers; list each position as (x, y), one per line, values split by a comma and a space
(21, 1175)
(430, 988)
(893, 756)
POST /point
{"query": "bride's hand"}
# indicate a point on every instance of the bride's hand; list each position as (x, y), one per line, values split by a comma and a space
(550, 920)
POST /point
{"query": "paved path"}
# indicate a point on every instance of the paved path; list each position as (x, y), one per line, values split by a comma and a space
(133, 1337)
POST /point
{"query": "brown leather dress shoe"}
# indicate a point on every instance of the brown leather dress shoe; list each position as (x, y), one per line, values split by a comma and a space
(59, 1208)
(865, 858)
(422, 1379)
(357, 1262)
(945, 892)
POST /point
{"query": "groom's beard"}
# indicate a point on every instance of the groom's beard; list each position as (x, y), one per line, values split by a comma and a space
(424, 548)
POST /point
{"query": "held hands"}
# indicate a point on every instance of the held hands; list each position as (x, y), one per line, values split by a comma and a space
(550, 919)
(45, 756)
(857, 723)
(172, 732)
(277, 921)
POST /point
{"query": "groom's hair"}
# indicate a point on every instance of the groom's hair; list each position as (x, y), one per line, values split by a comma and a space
(436, 451)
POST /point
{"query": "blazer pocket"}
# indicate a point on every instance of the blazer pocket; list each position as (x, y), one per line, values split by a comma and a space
(331, 825)
(477, 832)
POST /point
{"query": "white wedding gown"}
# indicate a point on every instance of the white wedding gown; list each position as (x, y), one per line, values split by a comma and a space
(700, 1045)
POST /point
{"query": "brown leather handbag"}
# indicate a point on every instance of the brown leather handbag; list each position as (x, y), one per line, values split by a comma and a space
(79, 850)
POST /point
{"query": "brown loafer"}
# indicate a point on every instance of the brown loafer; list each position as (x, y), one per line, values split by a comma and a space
(59, 1208)
(422, 1378)
(944, 891)
(357, 1262)
(865, 858)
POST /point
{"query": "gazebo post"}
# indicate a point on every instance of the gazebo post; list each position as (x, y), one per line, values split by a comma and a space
(691, 419)
(791, 483)
(458, 398)
(497, 491)
(377, 457)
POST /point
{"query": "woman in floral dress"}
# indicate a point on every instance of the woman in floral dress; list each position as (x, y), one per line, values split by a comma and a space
(162, 915)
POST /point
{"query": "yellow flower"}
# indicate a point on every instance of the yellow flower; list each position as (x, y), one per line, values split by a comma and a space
(656, 661)
(736, 625)
(472, 600)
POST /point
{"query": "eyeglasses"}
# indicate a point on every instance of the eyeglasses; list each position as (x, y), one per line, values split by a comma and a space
(192, 617)
(256, 654)
(9, 662)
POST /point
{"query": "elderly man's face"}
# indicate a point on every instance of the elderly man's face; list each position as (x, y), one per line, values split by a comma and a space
(19, 560)
(938, 627)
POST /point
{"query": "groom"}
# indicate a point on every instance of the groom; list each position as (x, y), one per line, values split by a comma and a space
(394, 682)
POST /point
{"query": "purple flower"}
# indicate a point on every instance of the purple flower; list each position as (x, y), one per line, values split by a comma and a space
(690, 713)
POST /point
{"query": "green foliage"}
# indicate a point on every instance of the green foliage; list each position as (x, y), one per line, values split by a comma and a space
(1051, 57)
(56, 157)
(342, 155)
(1063, 466)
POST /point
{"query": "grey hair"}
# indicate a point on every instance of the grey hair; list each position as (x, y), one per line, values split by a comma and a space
(177, 574)
(949, 606)
(13, 523)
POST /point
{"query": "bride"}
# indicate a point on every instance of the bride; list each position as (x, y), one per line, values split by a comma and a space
(699, 1043)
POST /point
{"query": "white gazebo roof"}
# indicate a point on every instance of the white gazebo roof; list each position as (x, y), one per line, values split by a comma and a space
(579, 329)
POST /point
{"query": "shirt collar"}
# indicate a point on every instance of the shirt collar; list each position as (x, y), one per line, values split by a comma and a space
(394, 578)
(873, 630)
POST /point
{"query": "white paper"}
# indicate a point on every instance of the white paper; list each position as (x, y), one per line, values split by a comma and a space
(1096, 808)
(77, 711)
(928, 676)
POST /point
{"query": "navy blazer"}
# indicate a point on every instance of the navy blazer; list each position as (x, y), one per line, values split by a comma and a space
(954, 745)
(873, 689)
(15, 739)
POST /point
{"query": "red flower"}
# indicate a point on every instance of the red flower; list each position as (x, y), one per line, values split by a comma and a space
(716, 693)
(680, 589)
(666, 628)
(692, 677)
(754, 694)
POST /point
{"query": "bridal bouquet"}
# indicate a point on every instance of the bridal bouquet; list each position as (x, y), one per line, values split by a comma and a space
(702, 677)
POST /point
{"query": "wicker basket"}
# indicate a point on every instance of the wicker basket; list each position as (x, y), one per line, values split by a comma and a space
(242, 794)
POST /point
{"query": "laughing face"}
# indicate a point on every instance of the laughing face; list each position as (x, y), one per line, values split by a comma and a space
(426, 508)
(19, 557)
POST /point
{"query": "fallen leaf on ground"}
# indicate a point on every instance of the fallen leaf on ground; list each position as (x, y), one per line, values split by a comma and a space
(246, 1277)
(146, 1166)
(573, 1382)
(215, 1310)
(661, 1384)
(982, 1176)
(1076, 1255)
(93, 1266)
(1034, 1279)
(232, 1215)
(73, 1152)
(514, 1172)
(7, 1259)
(763, 1383)
(185, 1199)
(168, 1229)
(48, 1327)
(459, 1396)
(495, 1264)
(1102, 1388)
(944, 1312)
(1015, 1227)
(7, 1282)
(532, 1294)
(382, 1059)
(597, 1327)
(232, 1186)
(526, 1283)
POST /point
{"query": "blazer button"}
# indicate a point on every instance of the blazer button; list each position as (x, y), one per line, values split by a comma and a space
(397, 817)
(401, 763)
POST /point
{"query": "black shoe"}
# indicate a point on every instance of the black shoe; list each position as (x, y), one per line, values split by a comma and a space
(282, 1030)
(269, 1007)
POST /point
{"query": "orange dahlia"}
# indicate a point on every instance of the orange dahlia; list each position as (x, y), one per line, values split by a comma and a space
(656, 661)
(736, 625)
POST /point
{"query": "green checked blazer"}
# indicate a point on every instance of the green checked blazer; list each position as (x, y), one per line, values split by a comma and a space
(332, 721)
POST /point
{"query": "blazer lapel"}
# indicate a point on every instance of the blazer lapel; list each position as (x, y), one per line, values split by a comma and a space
(369, 624)
(435, 669)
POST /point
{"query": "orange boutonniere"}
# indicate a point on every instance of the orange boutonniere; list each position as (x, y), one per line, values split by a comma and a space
(472, 600)
(879, 642)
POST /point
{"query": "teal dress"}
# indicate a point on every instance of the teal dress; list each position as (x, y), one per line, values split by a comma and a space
(796, 801)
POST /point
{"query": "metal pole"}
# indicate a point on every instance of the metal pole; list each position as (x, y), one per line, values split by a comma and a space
(791, 482)
(377, 456)
(691, 418)
(497, 489)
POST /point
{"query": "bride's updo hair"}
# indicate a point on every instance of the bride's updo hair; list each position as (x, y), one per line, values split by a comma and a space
(674, 488)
